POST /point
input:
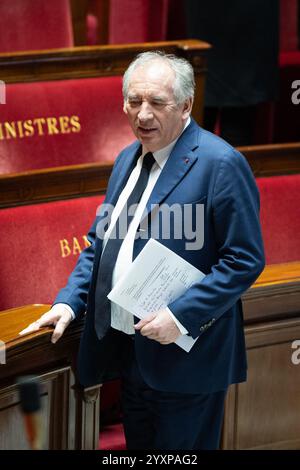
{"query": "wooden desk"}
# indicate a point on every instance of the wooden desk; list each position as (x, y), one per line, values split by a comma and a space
(70, 414)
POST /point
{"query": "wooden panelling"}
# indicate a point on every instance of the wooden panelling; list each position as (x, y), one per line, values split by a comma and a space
(275, 294)
(53, 183)
(71, 414)
(263, 413)
(273, 159)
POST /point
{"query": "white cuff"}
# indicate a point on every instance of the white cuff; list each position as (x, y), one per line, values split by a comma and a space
(67, 307)
(182, 329)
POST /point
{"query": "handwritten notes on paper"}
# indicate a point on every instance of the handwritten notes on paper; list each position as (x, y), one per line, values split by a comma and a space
(157, 277)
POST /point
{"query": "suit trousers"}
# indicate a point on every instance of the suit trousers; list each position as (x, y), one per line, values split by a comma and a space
(161, 420)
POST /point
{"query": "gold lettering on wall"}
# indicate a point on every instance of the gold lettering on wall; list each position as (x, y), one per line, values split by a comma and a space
(76, 127)
(64, 248)
(40, 126)
(10, 130)
(73, 247)
(52, 123)
(86, 242)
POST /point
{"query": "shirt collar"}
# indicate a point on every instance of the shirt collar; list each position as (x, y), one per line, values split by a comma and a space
(161, 156)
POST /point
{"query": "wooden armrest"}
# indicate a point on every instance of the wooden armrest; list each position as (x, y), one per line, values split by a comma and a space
(279, 274)
(275, 294)
(90, 61)
(51, 184)
(273, 159)
(14, 320)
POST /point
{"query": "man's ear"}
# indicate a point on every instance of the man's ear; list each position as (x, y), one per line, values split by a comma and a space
(124, 107)
(187, 108)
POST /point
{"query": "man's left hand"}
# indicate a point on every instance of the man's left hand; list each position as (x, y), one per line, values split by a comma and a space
(159, 326)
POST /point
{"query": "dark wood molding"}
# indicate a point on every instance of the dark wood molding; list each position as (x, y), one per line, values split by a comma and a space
(275, 295)
(273, 159)
(52, 184)
(267, 302)
(91, 61)
(91, 178)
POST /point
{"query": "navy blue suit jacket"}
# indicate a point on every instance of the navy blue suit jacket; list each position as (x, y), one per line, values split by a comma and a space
(202, 168)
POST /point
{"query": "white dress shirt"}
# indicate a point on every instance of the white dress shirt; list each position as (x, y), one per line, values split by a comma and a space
(121, 319)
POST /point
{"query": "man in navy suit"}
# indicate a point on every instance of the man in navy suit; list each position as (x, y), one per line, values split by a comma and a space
(172, 399)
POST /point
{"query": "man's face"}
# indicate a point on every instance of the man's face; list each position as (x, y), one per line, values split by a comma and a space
(154, 116)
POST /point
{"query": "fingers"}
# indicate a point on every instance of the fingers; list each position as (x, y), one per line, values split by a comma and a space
(60, 328)
(59, 318)
(144, 322)
(44, 320)
(30, 329)
(151, 331)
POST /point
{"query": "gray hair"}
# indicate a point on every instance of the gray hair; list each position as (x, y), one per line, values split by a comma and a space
(184, 84)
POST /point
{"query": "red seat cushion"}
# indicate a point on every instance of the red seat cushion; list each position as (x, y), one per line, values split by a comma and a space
(288, 59)
(280, 217)
(39, 246)
(62, 122)
(35, 24)
(112, 437)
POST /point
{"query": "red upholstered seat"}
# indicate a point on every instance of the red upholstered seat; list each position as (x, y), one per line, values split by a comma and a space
(280, 217)
(112, 437)
(63, 122)
(35, 24)
(39, 246)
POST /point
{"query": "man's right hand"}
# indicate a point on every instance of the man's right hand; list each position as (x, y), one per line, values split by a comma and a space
(58, 315)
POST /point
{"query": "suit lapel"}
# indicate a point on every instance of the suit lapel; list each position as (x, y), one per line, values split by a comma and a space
(179, 163)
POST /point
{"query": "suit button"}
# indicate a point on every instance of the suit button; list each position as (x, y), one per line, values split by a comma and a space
(201, 328)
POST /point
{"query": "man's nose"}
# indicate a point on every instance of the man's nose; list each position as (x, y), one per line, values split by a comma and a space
(145, 112)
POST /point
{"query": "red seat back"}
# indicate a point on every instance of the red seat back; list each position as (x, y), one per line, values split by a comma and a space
(35, 24)
(280, 217)
(288, 25)
(39, 246)
(129, 21)
(63, 122)
(137, 21)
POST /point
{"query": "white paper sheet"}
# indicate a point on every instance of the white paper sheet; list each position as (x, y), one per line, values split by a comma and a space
(157, 277)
